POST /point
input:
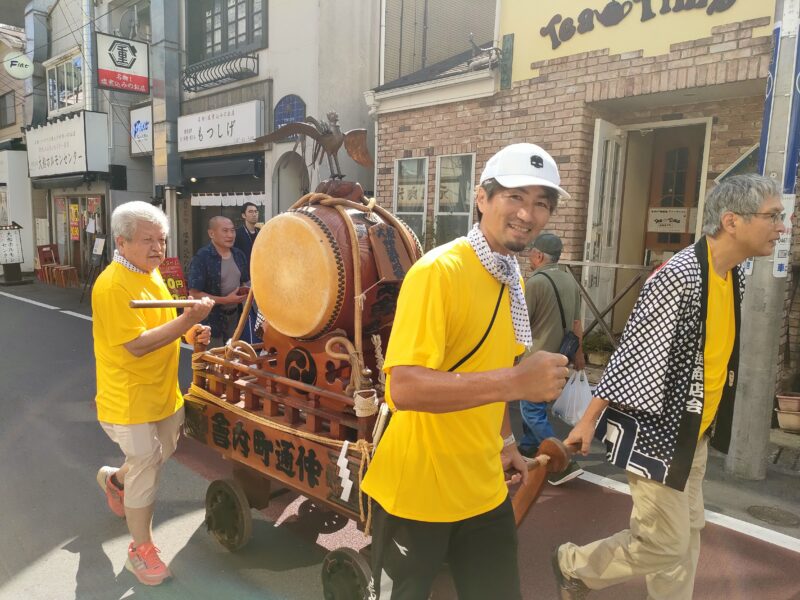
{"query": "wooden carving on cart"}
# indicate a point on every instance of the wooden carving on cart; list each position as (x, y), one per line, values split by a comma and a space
(328, 139)
(304, 408)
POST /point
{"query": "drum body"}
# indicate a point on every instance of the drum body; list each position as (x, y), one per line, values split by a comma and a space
(303, 271)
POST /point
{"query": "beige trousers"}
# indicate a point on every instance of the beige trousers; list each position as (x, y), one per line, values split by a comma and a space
(663, 542)
(146, 446)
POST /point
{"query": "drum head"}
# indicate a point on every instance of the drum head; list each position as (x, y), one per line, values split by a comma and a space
(297, 274)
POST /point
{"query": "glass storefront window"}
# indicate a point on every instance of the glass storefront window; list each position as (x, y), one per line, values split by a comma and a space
(455, 177)
(411, 193)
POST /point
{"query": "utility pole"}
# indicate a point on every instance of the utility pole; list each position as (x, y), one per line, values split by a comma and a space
(762, 310)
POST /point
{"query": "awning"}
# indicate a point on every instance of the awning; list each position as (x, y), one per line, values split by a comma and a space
(228, 199)
(224, 166)
(66, 181)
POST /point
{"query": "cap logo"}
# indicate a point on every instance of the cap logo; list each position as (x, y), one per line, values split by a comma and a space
(537, 161)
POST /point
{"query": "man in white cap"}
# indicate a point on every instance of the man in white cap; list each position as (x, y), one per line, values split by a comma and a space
(437, 476)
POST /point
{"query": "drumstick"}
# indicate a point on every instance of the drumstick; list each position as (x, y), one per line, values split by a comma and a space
(553, 455)
(163, 303)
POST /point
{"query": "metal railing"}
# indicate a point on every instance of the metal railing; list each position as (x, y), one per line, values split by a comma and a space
(219, 70)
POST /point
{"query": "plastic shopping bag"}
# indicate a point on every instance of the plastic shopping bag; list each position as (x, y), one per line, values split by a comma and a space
(574, 398)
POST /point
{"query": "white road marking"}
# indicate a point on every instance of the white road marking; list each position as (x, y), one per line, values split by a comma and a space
(74, 314)
(67, 312)
(20, 298)
(732, 523)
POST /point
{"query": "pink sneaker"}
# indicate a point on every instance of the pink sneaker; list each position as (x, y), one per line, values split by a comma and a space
(143, 561)
(114, 496)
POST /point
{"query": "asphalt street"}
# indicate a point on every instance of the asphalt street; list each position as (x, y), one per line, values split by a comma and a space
(61, 542)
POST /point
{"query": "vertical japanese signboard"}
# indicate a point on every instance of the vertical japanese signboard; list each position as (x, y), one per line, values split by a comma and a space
(172, 273)
(122, 64)
(74, 222)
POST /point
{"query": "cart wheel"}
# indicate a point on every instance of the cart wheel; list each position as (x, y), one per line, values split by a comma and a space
(228, 514)
(345, 575)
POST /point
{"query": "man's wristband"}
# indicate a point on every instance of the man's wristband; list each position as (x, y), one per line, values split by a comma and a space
(509, 441)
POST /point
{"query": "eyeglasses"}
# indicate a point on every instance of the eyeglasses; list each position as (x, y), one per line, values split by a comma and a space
(775, 217)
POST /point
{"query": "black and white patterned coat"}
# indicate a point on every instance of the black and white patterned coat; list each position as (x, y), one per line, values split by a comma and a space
(654, 380)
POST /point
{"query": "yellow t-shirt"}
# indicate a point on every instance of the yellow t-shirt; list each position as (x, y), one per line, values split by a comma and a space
(132, 390)
(444, 467)
(720, 334)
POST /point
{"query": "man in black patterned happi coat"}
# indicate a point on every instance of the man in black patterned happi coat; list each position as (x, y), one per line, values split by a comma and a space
(668, 392)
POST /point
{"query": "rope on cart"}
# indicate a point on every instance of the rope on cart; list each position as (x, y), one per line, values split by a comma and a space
(365, 448)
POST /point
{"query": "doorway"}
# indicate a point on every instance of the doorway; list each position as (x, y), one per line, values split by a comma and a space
(646, 192)
(289, 182)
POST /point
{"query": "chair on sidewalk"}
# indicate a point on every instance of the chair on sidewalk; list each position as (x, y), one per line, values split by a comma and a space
(66, 276)
(47, 258)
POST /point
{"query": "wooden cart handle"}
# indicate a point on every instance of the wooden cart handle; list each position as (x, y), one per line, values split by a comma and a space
(163, 303)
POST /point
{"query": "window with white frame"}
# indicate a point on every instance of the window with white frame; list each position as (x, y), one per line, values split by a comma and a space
(455, 176)
(65, 85)
(8, 113)
(228, 25)
(411, 193)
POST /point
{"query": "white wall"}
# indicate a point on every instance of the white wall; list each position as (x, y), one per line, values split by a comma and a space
(326, 53)
(14, 173)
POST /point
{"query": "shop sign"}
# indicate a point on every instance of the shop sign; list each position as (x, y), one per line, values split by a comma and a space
(74, 222)
(783, 247)
(229, 126)
(548, 29)
(10, 245)
(3, 167)
(122, 64)
(666, 220)
(76, 144)
(560, 30)
(18, 65)
(141, 120)
(172, 273)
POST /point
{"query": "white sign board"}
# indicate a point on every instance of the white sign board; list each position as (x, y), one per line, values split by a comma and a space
(3, 167)
(229, 126)
(783, 247)
(141, 120)
(122, 64)
(18, 65)
(10, 246)
(667, 220)
(77, 144)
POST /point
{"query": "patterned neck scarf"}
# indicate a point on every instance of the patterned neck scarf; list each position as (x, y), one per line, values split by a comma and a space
(505, 269)
(127, 264)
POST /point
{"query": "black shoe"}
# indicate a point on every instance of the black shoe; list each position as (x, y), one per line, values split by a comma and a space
(527, 451)
(568, 589)
(571, 472)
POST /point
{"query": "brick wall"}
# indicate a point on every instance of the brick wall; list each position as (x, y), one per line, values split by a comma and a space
(556, 110)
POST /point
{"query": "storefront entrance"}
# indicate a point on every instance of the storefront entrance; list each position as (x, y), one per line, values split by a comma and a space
(78, 221)
(644, 199)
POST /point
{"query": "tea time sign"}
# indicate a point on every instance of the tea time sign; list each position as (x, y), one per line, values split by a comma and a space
(548, 29)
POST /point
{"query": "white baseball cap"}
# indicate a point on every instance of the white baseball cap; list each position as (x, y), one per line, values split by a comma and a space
(521, 165)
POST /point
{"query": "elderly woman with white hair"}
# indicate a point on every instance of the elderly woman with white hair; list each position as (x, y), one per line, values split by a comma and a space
(139, 402)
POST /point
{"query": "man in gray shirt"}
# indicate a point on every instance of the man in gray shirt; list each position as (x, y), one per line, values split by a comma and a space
(543, 290)
(220, 272)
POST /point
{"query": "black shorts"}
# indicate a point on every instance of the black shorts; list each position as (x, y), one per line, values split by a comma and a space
(481, 552)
